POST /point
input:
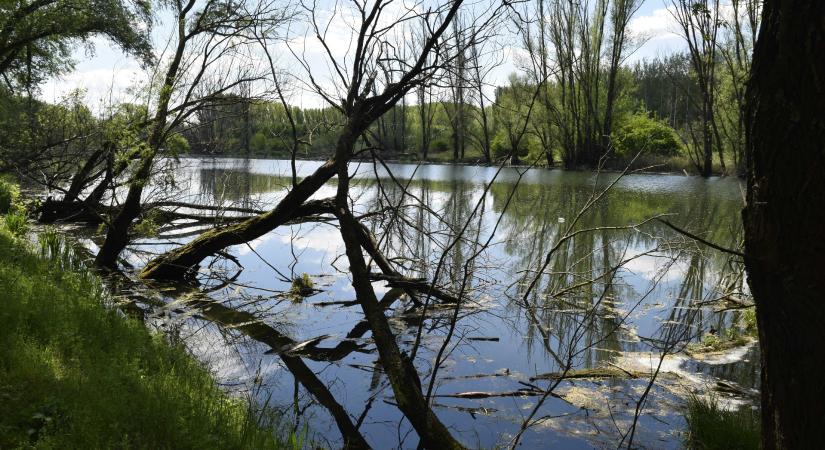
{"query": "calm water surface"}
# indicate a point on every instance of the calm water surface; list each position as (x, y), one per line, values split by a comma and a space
(607, 292)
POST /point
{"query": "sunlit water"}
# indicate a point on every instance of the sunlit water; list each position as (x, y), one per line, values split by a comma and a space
(604, 293)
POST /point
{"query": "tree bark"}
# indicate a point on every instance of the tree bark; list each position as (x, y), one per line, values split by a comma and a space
(784, 219)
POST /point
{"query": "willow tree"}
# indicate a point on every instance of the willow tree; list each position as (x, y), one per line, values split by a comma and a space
(784, 219)
(621, 11)
(533, 26)
(456, 105)
(576, 36)
(38, 36)
(205, 64)
(480, 69)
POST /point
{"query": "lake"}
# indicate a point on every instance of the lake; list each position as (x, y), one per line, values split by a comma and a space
(617, 286)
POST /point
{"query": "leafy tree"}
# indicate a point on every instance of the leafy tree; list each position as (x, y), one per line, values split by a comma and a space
(666, 88)
(37, 36)
(512, 112)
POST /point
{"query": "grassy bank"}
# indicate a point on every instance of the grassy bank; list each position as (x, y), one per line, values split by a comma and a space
(74, 374)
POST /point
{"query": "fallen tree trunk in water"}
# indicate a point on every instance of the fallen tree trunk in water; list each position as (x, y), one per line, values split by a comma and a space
(178, 263)
(52, 211)
(595, 373)
(523, 392)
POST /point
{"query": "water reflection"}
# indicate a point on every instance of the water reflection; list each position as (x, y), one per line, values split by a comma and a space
(617, 282)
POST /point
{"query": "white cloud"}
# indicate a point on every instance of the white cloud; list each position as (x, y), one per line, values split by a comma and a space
(659, 24)
(99, 84)
(659, 32)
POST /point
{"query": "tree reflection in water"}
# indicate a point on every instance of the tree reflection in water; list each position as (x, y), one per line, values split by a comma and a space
(614, 284)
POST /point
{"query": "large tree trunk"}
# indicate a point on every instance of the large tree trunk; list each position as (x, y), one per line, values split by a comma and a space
(707, 141)
(785, 219)
(82, 178)
(117, 236)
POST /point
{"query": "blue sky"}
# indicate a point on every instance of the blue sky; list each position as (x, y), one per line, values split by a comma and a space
(108, 73)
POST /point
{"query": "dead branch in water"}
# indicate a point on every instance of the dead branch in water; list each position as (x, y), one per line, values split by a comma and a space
(589, 374)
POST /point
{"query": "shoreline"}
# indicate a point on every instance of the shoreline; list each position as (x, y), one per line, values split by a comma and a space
(77, 372)
(466, 163)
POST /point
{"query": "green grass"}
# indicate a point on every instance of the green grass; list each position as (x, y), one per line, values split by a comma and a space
(711, 427)
(17, 223)
(74, 374)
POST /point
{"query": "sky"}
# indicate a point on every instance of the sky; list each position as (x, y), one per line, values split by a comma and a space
(106, 73)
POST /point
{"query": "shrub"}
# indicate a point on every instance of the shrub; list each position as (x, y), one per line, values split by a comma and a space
(439, 146)
(501, 147)
(641, 133)
(176, 144)
(9, 196)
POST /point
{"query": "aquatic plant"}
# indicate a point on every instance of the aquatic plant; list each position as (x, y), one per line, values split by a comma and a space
(710, 426)
(302, 286)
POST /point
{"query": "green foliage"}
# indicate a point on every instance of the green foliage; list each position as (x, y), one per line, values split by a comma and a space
(501, 146)
(664, 86)
(230, 125)
(38, 37)
(439, 146)
(716, 343)
(712, 427)
(711, 340)
(748, 320)
(640, 133)
(33, 132)
(149, 224)
(12, 208)
(176, 144)
(74, 374)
